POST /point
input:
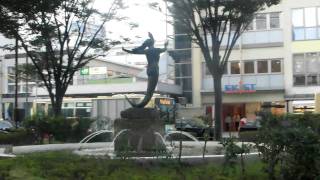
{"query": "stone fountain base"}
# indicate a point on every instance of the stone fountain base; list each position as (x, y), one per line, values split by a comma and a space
(143, 130)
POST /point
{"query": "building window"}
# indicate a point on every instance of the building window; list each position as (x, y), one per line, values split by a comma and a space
(275, 66)
(299, 80)
(310, 17)
(297, 18)
(235, 67)
(318, 9)
(298, 34)
(306, 69)
(305, 23)
(226, 71)
(261, 21)
(312, 62)
(312, 80)
(186, 83)
(298, 63)
(11, 89)
(274, 20)
(311, 33)
(262, 66)
(250, 26)
(183, 70)
(265, 21)
(249, 67)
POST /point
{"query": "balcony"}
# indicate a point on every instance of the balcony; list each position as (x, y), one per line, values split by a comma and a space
(264, 82)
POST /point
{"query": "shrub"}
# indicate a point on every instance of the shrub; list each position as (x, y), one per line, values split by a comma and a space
(248, 136)
(17, 137)
(291, 142)
(62, 129)
(80, 127)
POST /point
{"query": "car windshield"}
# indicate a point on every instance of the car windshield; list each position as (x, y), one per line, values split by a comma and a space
(5, 125)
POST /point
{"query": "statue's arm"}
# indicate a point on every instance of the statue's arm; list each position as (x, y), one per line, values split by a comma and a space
(165, 47)
(133, 52)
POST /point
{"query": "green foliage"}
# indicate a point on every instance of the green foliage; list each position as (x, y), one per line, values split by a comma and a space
(232, 150)
(58, 38)
(248, 136)
(291, 142)
(64, 165)
(60, 128)
(17, 137)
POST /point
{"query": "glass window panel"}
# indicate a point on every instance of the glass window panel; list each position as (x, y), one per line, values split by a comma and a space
(183, 70)
(312, 80)
(233, 27)
(68, 104)
(274, 20)
(235, 67)
(83, 112)
(180, 56)
(261, 21)
(226, 70)
(206, 70)
(298, 63)
(298, 34)
(182, 42)
(262, 66)
(250, 26)
(310, 17)
(318, 16)
(88, 104)
(186, 83)
(311, 33)
(299, 80)
(10, 79)
(67, 112)
(275, 66)
(11, 89)
(297, 17)
(312, 62)
(249, 67)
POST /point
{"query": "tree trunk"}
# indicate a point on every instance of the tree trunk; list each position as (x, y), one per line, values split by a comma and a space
(57, 105)
(217, 107)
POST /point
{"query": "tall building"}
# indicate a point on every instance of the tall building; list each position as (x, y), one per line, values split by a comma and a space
(275, 62)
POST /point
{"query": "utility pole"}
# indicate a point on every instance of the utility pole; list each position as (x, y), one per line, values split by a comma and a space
(15, 109)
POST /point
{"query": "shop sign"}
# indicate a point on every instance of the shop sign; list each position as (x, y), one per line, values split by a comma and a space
(93, 70)
(164, 101)
(240, 88)
(84, 71)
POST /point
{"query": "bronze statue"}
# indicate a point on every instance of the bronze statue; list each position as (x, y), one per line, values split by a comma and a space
(153, 56)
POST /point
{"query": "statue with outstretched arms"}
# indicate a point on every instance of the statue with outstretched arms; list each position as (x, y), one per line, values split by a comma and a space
(153, 56)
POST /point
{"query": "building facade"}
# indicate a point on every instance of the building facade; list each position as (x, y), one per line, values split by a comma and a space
(275, 63)
(100, 77)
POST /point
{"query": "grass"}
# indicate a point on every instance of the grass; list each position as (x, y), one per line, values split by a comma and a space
(64, 165)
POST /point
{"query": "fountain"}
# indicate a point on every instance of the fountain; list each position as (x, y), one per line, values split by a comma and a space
(144, 128)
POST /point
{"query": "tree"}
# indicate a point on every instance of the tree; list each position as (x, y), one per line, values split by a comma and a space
(59, 37)
(211, 22)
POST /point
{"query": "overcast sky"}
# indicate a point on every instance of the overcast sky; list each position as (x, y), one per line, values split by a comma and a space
(138, 11)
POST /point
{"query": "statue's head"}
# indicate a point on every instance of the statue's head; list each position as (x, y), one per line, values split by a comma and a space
(149, 42)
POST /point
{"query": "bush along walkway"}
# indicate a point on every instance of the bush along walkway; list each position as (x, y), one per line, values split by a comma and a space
(65, 165)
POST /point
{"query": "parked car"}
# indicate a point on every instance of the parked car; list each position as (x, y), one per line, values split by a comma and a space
(194, 126)
(250, 126)
(5, 125)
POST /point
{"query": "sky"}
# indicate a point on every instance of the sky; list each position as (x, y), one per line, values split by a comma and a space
(138, 11)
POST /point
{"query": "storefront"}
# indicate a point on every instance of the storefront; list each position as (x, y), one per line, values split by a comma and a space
(238, 105)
